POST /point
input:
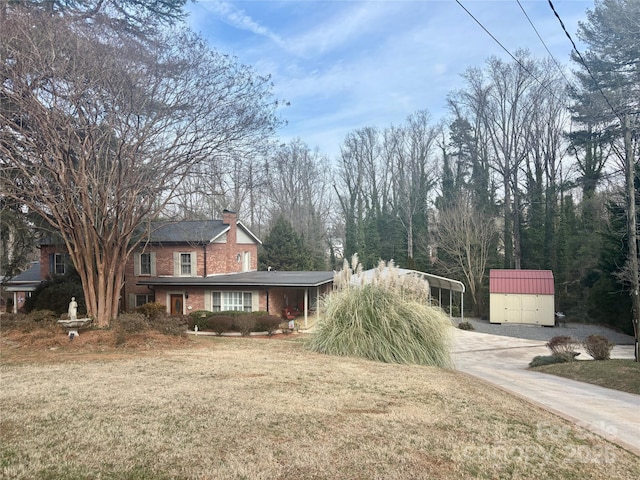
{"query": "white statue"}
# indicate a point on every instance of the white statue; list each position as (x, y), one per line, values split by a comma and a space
(73, 309)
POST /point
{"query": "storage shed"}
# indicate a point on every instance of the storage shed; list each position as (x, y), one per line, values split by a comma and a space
(521, 296)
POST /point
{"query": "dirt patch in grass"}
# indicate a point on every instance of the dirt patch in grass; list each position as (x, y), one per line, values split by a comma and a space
(623, 375)
(269, 409)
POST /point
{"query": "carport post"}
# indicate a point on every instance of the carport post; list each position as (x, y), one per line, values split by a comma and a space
(306, 306)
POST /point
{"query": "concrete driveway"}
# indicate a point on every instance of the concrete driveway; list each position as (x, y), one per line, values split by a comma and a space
(502, 361)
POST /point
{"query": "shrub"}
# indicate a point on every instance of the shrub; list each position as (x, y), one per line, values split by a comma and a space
(27, 323)
(55, 295)
(245, 324)
(43, 316)
(167, 325)
(466, 326)
(598, 347)
(380, 321)
(541, 360)
(131, 323)
(128, 324)
(267, 323)
(563, 346)
(199, 314)
(152, 310)
(218, 323)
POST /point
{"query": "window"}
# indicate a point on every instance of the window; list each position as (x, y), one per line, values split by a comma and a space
(246, 261)
(57, 263)
(136, 300)
(145, 264)
(185, 264)
(142, 299)
(225, 301)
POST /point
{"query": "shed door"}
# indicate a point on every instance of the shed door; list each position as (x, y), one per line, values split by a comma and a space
(513, 309)
(530, 309)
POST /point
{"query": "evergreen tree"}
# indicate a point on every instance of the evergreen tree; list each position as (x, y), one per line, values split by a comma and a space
(609, 96)
(283, 249)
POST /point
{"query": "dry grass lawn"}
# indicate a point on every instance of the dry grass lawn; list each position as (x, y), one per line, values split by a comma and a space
(619, 374)
(238, 408)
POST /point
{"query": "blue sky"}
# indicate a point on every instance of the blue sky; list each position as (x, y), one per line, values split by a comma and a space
(345, 65)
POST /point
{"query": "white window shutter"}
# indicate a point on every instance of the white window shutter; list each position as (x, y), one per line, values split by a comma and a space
(136, 264)
(153, 264)
(132, 301)
(176, 264)
(194, 264)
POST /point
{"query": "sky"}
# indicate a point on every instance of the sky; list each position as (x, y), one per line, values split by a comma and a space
(344, 65)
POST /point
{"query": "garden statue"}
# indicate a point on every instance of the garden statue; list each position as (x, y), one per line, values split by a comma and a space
(73, 309)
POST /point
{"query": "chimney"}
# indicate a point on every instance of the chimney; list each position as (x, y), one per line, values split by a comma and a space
(229, 217)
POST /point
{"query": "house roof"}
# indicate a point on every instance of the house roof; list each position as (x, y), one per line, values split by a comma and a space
(200, 231)
(247, 279)
(183, 231)
(26, 281)
(533, 282)
(193, 231)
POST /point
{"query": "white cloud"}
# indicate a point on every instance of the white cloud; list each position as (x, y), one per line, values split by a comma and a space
(348, 64)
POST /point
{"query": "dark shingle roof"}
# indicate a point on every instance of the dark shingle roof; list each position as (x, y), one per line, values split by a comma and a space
(248, 279)
(25, 281)
(198, 231)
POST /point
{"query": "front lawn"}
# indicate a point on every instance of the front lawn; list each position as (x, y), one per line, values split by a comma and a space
(268, 408)
(623, 375)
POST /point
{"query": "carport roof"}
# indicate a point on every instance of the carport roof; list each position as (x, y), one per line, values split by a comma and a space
(434, 280)
(26, 281)
(247, 279)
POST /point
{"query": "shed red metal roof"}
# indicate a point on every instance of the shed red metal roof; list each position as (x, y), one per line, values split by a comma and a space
(534, 282)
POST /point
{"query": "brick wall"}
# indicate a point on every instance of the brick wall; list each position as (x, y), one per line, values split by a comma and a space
(211, 259)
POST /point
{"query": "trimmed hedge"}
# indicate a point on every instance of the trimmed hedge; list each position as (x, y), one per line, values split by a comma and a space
(232, 320)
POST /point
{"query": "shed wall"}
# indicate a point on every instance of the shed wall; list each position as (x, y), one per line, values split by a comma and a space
(522, 308)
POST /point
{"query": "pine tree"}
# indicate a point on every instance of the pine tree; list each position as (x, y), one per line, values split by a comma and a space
(283, 249)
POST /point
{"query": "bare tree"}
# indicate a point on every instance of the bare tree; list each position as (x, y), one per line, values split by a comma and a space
(466, 237)
(97, 130)
(359, 157)
(414, 174)
(299, 188)
(545, 144)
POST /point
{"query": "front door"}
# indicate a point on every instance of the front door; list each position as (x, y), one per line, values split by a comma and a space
(176, 304)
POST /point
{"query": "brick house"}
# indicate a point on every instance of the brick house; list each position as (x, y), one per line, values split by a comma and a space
(204, 265)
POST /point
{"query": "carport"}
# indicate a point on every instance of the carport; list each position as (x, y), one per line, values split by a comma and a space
(435, 282)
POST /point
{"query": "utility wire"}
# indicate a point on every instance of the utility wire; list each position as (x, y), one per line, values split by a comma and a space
(575, 49)
(543, 43)
(509, 53)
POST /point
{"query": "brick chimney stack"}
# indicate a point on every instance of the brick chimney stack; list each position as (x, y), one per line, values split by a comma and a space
(229, 217)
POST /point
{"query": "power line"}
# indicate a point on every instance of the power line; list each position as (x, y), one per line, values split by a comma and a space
(584, 63)
(543, 43)
(509, 53)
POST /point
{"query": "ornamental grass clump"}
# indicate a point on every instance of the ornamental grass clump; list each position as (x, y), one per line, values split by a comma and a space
(386, 319)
